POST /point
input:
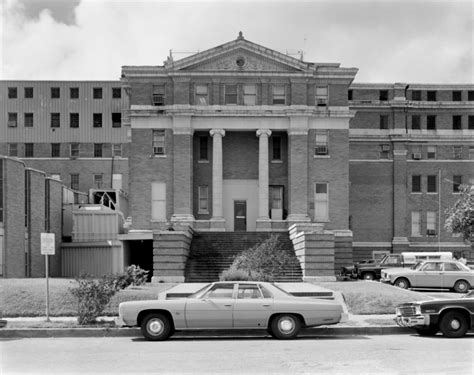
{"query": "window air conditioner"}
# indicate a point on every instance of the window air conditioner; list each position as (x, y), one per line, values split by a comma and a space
(321, 150)
(431, 232)
(416, 156)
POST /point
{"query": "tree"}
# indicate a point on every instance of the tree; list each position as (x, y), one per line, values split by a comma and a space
(460, 217)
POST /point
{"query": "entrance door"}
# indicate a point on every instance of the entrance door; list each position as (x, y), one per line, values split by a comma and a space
(240, 215)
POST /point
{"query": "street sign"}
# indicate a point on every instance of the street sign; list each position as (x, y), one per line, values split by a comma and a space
(47, 244)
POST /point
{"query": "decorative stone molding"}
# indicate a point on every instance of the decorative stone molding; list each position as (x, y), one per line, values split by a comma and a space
(220, 132)
(266, 132)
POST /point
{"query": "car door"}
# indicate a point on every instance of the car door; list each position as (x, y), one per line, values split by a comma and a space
(452, 273)
(252, 308)
(428, 276)
(213, 309)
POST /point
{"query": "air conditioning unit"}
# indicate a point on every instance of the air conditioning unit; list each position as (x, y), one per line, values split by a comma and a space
(431, 232)
(416, 156)
(158, 99)
(321, 102)
(321, 150)
(385, 147)
(158, 151)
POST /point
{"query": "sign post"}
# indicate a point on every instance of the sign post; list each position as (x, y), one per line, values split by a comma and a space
(47, 248)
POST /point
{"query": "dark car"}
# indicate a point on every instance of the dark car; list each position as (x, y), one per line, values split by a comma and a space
(453, 317)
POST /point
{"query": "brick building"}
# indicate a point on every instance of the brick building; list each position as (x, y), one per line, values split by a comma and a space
(241, 138)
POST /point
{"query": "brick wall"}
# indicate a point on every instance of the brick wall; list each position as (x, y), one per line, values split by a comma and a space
(338, 95)
(240, 155)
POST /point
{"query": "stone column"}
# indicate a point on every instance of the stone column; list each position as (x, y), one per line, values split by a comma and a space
(217, 221)
(263, 176)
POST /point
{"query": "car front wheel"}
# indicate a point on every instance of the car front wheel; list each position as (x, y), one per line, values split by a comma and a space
(156, 327)
(368, 276)
(461, 286)
(453, 324)
(402, 283)
(285, 326)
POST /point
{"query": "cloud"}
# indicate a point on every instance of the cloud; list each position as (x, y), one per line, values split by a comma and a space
(417, 41)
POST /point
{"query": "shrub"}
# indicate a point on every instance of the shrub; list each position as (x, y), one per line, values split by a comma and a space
(235, 274)
(263, 262)
(94, 295)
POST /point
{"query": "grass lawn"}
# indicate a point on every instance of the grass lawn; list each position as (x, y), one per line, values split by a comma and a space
(27, 297)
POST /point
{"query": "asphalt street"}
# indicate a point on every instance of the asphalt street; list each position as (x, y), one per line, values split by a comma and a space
(387, 354)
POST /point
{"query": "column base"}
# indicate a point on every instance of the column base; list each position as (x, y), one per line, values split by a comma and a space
(263, 224)
(297, 218)
(217, 224)
(182, 221)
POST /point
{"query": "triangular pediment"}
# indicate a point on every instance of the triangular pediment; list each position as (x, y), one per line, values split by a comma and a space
(239, 56)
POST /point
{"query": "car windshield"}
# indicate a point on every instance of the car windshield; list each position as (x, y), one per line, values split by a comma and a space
(416, 266)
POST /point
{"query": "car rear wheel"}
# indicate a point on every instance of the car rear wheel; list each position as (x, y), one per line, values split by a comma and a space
(461, 286)
(402, 283)
(427, 331)
(156, 327)
(368, 276)
(285, 326)
(453, 324)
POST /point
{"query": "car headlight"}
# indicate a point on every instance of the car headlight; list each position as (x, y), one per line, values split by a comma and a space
(417, 310)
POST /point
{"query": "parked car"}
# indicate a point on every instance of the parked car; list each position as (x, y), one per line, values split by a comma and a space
(231, 305)
(432, 274)
(372, 269)
(453, 317)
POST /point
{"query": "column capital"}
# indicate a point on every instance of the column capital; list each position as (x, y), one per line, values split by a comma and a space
(214, 132)
(265, 132)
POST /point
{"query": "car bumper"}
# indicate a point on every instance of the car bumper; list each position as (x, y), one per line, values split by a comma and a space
(411, 321)
(119, 322)
(385, 281)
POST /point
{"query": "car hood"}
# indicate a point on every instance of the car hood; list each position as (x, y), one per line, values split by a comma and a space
(445, 301)
(398, 271)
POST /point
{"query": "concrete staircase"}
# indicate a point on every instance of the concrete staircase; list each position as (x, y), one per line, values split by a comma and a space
(213, 252)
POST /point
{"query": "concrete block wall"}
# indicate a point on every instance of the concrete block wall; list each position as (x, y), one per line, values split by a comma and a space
(170, 253)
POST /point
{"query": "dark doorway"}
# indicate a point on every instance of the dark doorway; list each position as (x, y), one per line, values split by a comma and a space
(141, 254)
(240, 216)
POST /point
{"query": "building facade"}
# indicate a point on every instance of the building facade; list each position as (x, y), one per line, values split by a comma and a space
(244, 138)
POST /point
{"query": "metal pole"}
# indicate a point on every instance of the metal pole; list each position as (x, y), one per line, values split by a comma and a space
(47, 288)
(439, 210)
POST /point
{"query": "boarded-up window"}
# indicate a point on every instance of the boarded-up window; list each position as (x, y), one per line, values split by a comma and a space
(158, 201)
(203, 199)
(321, 202)
(415, 223)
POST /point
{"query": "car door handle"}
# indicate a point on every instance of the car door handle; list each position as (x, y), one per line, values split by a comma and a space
(229, 305)
(266, 305)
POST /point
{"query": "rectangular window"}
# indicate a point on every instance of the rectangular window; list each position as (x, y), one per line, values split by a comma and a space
(457, 181)
(431, 223)
(383, 95)
(431, 152)
(321, 202)
(470, 122)
(116, 92)
(117, 119)
(383, 122)
(276, 148)
(416, 184)
(202, 95)
(55, 150)
(158, 142)
(416, 95)
(279, 94)
(29, 150)
(74, 150)
(203, 192)
(457, 152)
(28, 120)
(12, 93)
(98, 181)
(321, 143)
(97, 92)
(471, 152)
(158, 95)
(117, 181)
(431, 122)
(432, 186)
(457, 122)
(55, 120)
(74, 120)
(350, 95)
(117, 150)
(97, 120)
(415, 122)
(230, 94)
(457, 96)
(158, 201)
(97, 150)
(250, 94)
(322, 96)
(13, 149)
(203, 148)
(431, 96)
(55, 92)
(384, 151)
(415, 223)
(74, 92)
(74, 181)
(12, 119)
(28, 92)
(470, 95)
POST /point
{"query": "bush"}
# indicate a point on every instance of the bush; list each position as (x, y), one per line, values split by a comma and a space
(234, 274)
(94, 295)
(263, 262)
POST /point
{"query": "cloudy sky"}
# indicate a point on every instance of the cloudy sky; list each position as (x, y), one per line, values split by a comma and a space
(417, 41)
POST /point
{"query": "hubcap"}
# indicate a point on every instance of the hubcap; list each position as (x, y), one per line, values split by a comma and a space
(155, 326)
(461, 286)
(455, 324)
(286, 325)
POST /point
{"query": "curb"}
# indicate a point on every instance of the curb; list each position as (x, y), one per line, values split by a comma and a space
(135, 332)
